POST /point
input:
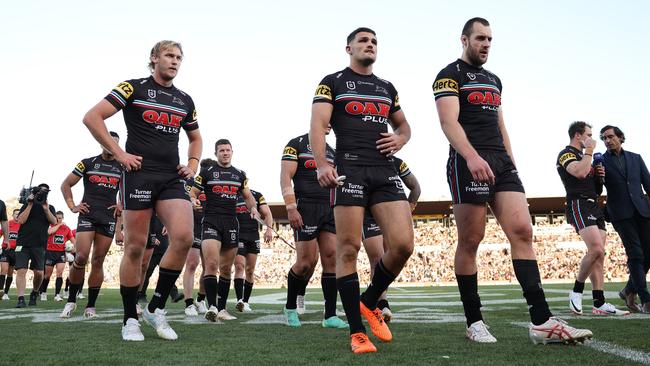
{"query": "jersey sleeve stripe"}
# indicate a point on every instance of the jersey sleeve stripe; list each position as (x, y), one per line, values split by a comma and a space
(78, 173)
(118, 98)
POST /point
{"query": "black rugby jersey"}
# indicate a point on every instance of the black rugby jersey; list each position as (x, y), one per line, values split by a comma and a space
(101, 182)
(305, 183)
(246, 222)
(400, 166)
(221, 186)
(479, 95)
(362, 108)
(575, 187)
(154, 115)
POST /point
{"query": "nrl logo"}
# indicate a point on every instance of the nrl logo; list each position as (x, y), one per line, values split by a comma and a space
(151, 93)
(351, 85)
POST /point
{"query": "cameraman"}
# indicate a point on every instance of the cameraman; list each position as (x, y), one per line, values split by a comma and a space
(35, 217)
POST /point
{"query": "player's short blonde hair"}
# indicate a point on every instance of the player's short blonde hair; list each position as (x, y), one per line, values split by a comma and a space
(159, 47)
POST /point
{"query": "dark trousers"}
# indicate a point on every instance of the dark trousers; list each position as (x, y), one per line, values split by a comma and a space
(635, 235)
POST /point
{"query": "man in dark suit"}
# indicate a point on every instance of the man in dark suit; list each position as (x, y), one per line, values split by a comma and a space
(628, 209)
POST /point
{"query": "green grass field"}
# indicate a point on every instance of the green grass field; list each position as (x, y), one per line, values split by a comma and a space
(428, 328)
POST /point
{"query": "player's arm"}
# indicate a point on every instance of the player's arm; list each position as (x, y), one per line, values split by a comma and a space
(95, 122)
(66, 189)
(579, 168)
(53, 228)
(193, 154)
(320, 119)
(413, 185)
(448, 112)
(251, 203)
(288, 169)
(265, 211)
(505, 136)
(393, 142)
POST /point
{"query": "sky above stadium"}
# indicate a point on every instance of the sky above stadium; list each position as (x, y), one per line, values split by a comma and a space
(252, 68)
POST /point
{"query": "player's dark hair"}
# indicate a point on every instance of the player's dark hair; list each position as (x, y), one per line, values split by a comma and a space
(60, 213)
(44, 185)
(577, 127)
(158, 47)
(617, 132)
(359, 30)
(221, 142)
(15, 209)
(207, 162)
(469, 25)
(114, 134)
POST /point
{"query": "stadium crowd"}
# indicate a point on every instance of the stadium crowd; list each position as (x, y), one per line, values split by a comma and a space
(558, 247)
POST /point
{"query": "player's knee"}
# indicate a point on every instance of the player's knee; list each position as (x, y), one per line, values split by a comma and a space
(185, 238)
(250, 271)
(470, 240)
(239, 268)
(348, 254)
(523, 233)
(597, 252)
(404, 250)
(81, 259)
(97, 260)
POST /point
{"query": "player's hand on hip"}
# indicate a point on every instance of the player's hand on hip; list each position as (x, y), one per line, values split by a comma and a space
(118, 210)
(185, 171)
(327, 176)
(480, 169)
(295, 219)
(82, 208)
(390, 143)
(129, 161)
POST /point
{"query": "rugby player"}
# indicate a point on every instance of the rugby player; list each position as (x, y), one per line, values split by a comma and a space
(582, 211)
(249, 247)
(35, 217)
(155, 111)
(8, 256)
(481, 169)
(59, 235)
(96, 225)
(310, 215)
(222, 183)
(360, 106)
(372, 238)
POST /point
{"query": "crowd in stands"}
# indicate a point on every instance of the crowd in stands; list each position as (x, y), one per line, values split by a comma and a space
(559, 250)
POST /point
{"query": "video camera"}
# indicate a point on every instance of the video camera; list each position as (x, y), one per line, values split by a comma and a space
(40, 193)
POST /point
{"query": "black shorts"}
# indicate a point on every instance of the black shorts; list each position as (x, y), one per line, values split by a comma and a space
(370, 227)
(35, 255)
(222, 228)
(104, 227)
(8, 256)
(368, 185)
(52, 257)
(152, 241)
(140, 190)
(196, 241)
(317, 216)
(249, 243)
(584, 212)
(465, 190)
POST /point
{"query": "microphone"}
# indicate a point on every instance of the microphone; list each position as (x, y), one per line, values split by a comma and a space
(598, 162)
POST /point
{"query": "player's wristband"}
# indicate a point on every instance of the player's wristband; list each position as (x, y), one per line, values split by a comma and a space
(587, 154)
(193, 158)
(291, 206)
